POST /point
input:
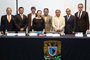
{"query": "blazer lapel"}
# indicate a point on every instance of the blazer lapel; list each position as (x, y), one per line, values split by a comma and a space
(20, 17)
(23, 17)
(31, 16)
(66, 18)
(69, 18)
(77, 15)
(6, 18)
(82, 15)
(47, 19)
(11, 18)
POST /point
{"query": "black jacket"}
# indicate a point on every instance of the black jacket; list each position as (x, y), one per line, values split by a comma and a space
(5, 25)
(82, 24)
(70, 25)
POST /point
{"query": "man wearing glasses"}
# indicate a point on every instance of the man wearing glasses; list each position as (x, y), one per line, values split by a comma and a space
(82, 20)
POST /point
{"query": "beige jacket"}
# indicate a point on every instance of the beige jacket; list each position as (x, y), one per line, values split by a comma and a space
(61, 24)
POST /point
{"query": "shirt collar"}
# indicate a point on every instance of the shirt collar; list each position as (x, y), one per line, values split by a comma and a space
(69, 15)
(79, 11)
(57, 17)
(33, 14)
(7, 14)
(21, 14)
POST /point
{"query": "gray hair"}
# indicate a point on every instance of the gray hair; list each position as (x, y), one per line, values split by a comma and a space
(68, 8)
(57, 10)
(80, 4)
(8, 8)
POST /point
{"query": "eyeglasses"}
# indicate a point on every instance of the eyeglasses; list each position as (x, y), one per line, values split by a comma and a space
(80, 7)
(57, 12)
(67, 11)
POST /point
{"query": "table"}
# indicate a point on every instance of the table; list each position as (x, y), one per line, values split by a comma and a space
(32, 48)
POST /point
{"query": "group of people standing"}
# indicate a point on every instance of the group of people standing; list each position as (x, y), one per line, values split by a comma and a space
(39, 23)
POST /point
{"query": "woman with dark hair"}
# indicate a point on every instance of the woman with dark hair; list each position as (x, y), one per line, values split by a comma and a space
(38, 23)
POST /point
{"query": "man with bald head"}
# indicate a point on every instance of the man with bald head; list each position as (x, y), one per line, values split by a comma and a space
(70, 22)
(7, 21)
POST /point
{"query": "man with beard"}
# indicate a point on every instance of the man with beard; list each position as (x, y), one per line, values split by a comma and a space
(48, 20)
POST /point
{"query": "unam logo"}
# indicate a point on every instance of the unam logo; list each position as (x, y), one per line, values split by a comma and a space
(52, 50)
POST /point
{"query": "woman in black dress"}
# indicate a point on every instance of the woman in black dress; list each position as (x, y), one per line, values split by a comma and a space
(38, 23)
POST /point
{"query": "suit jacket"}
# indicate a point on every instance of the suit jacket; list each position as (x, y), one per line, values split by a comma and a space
(48, 23)
(61, 24)
(0, 28)
(19, 23)
(29, 21)
(6, 25)
(82, 24)
(70, 24)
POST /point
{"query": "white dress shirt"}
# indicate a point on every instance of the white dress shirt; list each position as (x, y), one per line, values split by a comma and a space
(7, 17)
(68, 16)
(32, 17)
(58, 19)
(80, 13)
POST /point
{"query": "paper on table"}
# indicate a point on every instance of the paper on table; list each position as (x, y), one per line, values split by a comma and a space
(88, 34)
(11, 34)
(56, 35)
(79, 34)
(21, 34)
(49, 34)
(32, 34)
(42, 34)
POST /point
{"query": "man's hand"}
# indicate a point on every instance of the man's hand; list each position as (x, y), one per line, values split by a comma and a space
(87, 31)
(50, 30)
(22, 29)
(73, 32)
(2, 32)
(42, 32)
(32, 30)
(58, 30)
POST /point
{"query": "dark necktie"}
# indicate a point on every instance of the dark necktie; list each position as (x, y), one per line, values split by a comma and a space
(67, 17)
(79, 14)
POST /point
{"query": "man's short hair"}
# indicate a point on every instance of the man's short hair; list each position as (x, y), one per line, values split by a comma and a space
(33, 8)
(21, 7)
(8, 8)
(57, 10)
(46, 9)
(80, 4)
(68, 8)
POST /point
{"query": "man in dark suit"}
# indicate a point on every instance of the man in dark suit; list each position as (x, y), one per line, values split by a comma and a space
(82, 20)
(70, 22)
(7, 21)
(31, 16)
(21, 20)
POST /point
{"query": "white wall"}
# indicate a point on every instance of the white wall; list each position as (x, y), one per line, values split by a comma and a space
(51, 4)
(7, 3)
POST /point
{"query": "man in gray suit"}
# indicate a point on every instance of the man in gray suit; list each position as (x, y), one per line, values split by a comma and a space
(48, 20)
